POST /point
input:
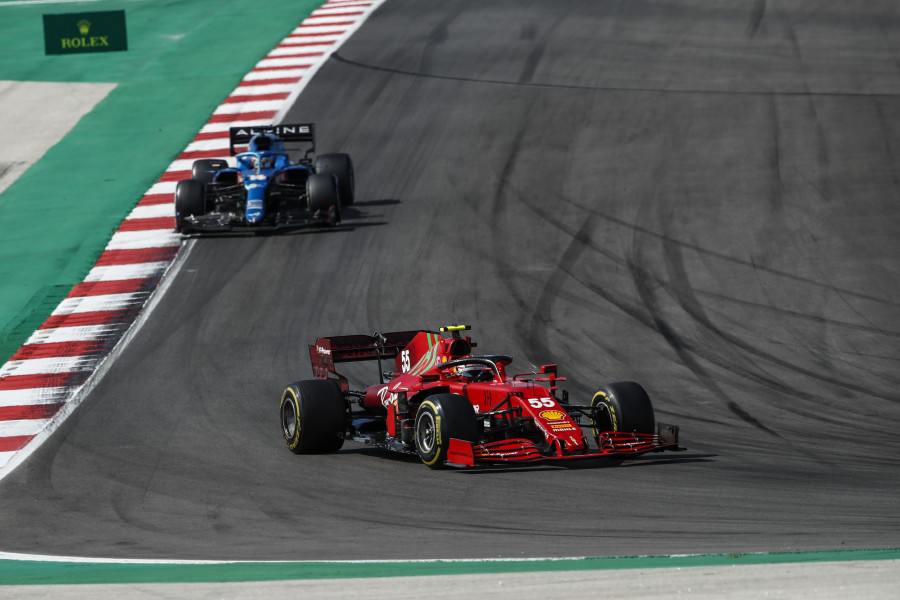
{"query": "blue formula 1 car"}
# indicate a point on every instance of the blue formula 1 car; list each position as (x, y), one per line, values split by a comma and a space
(265, 190)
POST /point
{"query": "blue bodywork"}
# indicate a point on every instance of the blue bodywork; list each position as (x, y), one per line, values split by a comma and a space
(261, 164)
(264, 190)
(264, 160)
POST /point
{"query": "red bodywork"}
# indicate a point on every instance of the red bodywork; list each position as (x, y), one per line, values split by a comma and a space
(520, 417)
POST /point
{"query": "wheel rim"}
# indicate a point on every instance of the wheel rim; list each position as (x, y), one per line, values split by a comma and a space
(289, 423)
(605, 423)
(425, 433)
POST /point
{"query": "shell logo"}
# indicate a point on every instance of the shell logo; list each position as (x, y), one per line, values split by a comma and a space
(553, 415)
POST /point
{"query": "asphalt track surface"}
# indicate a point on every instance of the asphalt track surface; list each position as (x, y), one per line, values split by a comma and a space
(699, 196)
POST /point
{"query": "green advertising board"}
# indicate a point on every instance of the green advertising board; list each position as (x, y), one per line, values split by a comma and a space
(77, 33)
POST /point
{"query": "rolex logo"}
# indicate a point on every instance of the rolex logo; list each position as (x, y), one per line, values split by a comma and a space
(70, 33)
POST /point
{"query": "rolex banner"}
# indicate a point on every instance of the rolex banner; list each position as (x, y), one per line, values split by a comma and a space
(76, 33)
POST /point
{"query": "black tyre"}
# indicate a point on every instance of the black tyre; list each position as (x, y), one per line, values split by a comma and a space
(190, 200)
(440, 418)
(321, 189)
(295, 176)
(205, 169)
(341, 167)
(313, 416)
(623, 406)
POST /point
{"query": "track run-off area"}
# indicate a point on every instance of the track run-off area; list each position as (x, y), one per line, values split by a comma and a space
(696, 196)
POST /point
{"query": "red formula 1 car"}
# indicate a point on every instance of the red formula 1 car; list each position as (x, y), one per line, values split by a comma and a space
(453, 408)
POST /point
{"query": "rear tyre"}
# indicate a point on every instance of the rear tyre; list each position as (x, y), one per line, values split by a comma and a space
(205, 169)
(440, 418)
(190, 201)
(623, 406)
(313, 416)
(341, 167)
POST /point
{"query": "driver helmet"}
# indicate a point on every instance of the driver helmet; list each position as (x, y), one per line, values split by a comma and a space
(261, 142)
(474, 372)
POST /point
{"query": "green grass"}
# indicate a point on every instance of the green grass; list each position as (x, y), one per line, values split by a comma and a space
(33, 572)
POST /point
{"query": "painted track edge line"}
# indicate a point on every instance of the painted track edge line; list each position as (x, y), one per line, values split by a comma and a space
(728, 557)
(301, 85)
(100, 370)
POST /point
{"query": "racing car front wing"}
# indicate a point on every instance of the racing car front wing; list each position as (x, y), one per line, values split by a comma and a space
(613, 444)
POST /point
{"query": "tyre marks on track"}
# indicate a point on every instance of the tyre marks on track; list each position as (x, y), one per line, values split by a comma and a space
(46, 379)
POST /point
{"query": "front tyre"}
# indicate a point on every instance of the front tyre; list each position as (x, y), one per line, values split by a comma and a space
(341, 167)
(190, 201)
(440, 418)
(313, 416)
(321, 189)
(622, 406)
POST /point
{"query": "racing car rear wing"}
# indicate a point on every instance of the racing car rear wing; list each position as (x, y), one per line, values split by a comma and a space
(296, 132)
(327, 351)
